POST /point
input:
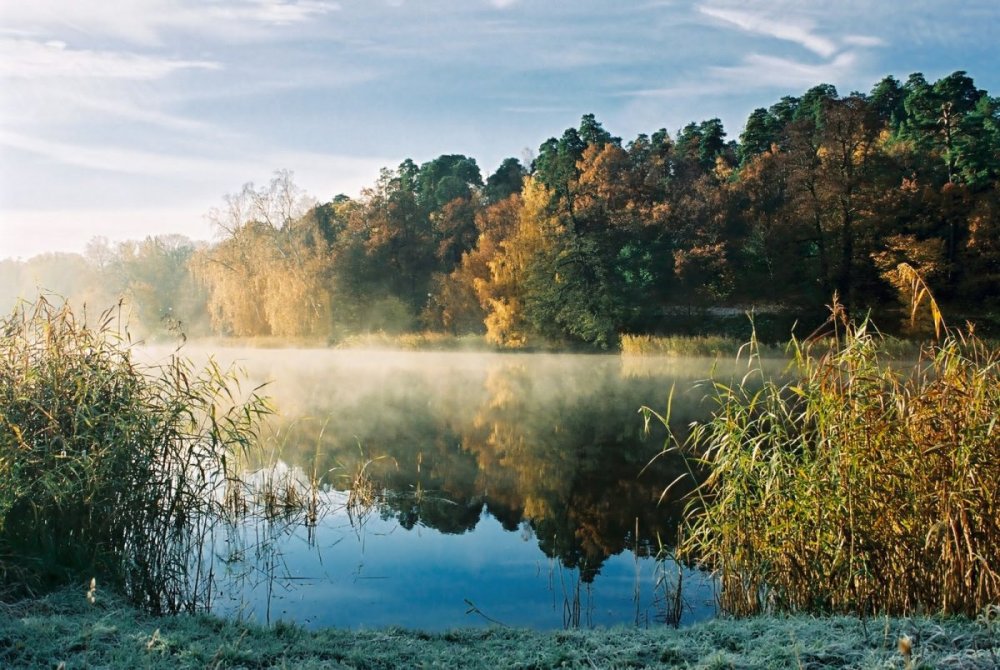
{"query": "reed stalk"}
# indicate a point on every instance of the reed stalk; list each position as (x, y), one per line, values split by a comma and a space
(853, 483)
(110, 468)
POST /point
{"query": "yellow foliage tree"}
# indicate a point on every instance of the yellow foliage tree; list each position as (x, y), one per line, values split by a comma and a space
(501, 292)
(267, 275)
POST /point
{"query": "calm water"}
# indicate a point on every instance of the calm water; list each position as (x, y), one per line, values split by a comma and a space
(510, 488)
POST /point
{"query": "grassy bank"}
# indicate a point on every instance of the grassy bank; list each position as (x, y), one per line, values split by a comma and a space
(64, 630)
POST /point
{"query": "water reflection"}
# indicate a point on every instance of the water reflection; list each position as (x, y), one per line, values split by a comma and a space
(508, 490)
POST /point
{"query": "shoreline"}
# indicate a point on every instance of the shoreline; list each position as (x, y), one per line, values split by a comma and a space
(65, 630)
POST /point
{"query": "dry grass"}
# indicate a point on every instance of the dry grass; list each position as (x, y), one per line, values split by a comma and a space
(679, 345)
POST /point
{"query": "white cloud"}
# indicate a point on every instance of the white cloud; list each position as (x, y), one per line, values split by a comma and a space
(758, 70)
(800, 31)
(50, 82)
(276, 12)
(681, 90)
(503, 4)
(148, 21)
(539, 109)
(345, 170)
(30, 59)
(122, 107)
(113, 159)
(863, 41)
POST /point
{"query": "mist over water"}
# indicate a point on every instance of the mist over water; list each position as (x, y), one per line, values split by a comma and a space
(511, 488)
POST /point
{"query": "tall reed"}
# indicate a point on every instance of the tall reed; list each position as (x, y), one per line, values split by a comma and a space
(110, 468)
(678, 345)
(854, 483)
(688, 345)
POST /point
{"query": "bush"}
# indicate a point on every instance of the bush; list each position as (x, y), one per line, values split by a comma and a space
(109, 468)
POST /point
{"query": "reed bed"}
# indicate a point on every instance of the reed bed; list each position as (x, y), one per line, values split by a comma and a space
(417, 341)
(108, 468)
(685, 345)
(851, 485)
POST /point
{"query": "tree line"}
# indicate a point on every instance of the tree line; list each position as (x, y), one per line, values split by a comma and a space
(820, 193)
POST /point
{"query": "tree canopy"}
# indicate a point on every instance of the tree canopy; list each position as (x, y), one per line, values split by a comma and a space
(818, 193)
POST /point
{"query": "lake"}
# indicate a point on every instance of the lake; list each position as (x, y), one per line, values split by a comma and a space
(499, 488)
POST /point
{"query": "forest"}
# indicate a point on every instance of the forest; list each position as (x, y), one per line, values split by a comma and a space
(595, 237)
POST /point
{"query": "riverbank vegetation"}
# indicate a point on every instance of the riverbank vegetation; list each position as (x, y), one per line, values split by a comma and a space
(416, 341)
(64, 630)
(853, 483)
(597, 237)
(110, 468)
(681, 345)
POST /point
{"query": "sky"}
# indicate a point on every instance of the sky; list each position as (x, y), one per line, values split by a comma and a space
(128, 118)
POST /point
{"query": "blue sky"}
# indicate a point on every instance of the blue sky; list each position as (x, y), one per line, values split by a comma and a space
(125, 119)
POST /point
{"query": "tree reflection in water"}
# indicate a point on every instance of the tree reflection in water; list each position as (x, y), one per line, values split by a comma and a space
(551, 445)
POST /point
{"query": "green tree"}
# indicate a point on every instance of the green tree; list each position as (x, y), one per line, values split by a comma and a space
(887, 99)
(555, 167)
(400, 239)
(759, 134)
(812, 105)
(446, 178)
(507, 180)
(702, 143)
(951, 121)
